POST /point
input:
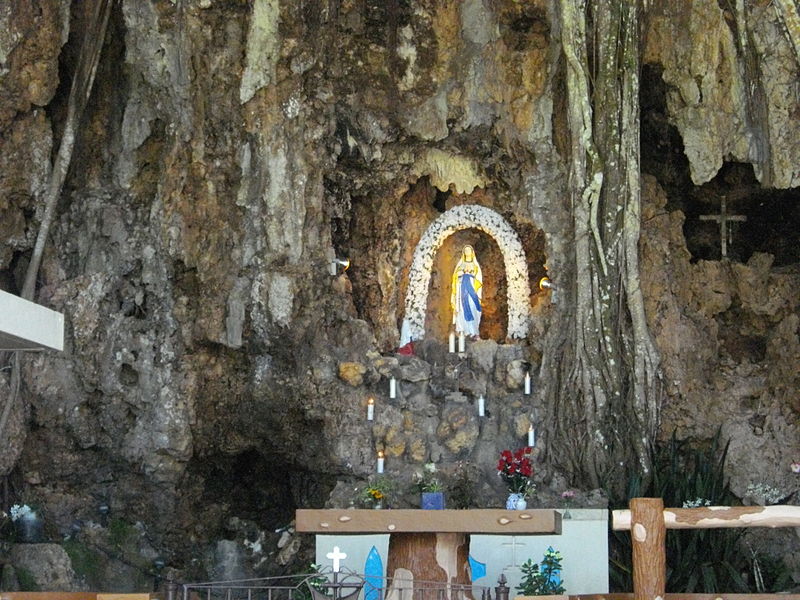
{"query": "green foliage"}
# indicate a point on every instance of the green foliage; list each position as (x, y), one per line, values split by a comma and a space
(120, 533)
(85, 562)
(313, 579)
(542, 579)
(770, 574)
(26, 580)
(462, 486)
(698, 560)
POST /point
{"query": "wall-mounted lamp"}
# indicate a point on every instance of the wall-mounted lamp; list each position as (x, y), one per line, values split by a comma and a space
(104, 509)
(546, 284)
(333, 267)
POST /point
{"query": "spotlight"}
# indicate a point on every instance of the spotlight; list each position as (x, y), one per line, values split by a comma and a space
(334, 265)
(546, 284)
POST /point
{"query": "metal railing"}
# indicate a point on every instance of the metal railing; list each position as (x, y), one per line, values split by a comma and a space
(339, 586)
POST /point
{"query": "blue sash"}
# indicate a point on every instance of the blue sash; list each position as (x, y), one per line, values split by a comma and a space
(468, 292)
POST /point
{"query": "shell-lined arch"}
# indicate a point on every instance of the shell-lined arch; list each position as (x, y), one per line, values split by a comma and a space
(468, 216)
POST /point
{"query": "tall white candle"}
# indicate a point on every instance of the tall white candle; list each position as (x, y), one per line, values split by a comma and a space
(527, 384)
(451, 342)
(370, 409)
(462, 343)
(392, 388)
(531, 437)
(380, 462)
(332, 267)
(481, 406)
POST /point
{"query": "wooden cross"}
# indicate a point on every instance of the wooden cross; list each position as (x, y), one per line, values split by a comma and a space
(724, 219)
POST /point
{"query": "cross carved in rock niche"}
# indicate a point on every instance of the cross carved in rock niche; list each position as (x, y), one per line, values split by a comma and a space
(724, 220)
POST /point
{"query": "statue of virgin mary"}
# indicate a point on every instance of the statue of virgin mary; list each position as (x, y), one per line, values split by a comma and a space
(466, 292)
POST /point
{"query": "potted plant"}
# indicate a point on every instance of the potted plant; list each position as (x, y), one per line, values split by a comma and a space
(542, 579)
(430, 488)
(516, 470)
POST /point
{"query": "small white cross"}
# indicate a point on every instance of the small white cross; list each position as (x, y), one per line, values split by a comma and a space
(336, 556)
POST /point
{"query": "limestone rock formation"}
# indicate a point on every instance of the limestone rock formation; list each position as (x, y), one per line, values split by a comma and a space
(214, 369)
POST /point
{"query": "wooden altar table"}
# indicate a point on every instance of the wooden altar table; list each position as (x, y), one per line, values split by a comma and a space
(429, 545)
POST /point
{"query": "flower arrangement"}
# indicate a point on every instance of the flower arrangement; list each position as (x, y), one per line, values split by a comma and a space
(795, 467)
(427, 481)
(377, 492)
(516, 470)
(21, 511)
(567, 496)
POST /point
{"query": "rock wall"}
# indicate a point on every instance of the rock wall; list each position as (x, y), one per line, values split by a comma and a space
(215, 376)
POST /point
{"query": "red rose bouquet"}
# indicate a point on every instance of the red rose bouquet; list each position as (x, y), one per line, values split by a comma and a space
(516, 470)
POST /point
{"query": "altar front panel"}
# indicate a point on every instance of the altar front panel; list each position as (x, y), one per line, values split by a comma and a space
(583, 543)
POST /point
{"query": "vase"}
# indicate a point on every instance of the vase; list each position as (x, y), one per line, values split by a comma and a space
(566, 514)
(29, 529)
(513, 500)
(432, 501)
(377, 505)
(522, 504)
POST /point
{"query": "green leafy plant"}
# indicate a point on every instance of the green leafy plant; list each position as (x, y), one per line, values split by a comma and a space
(542, 579)
(86, 562)
(27, 582)
(461, 493)
(698, 560)
(314, 579)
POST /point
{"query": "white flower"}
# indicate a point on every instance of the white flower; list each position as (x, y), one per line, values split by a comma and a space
(696, 503)
(20, 512)
(764, 494)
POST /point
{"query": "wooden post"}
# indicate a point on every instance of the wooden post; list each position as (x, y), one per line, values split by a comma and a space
(648, 535)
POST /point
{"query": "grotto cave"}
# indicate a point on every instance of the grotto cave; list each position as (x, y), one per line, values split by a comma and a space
(241, 209)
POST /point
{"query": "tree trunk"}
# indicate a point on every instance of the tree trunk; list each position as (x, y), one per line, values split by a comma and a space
(603, 377)
(428, 560)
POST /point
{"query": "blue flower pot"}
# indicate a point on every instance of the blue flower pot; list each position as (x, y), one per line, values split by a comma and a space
(433, 500)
